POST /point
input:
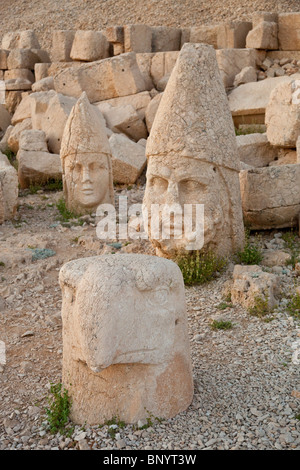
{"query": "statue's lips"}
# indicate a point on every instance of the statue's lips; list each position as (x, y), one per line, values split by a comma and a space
(87, 191)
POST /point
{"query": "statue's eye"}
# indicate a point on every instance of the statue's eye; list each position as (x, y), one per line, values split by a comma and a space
(191, 185)
(159, 296)
(159, 184)
(78, 168)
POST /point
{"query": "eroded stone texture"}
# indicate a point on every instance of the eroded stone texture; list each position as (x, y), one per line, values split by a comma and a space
(9, 185)
(271, 196)
(192, 154)
(283, 113)
(86, 159)
(129, 358)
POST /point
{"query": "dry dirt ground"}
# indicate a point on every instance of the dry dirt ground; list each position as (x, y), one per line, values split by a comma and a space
(44, 16)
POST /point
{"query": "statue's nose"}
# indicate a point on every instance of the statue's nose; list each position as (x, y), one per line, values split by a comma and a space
(85, 175)
(172, 193)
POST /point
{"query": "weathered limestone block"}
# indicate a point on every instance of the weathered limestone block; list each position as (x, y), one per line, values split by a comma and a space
(12, 100)
(62, 41)
(285, 157)
(19, 73)
(137, 38)
(5, 118)
(37, 167)
(192, 155)
(45, 84)
(152, 110)
(115, 34)
(86, 159)
(18, 84)
(263, 36)
(246, 75)
(1, 206)
(3, 59)
(9, 186)
(129, 358)
(49, 112)
(89, 46)
(255, 150)
(288, 31)
(271, 196)
(248, 102)
(275, 258)
(232, 61)
(251, 283)
(165, 39)
(124, 119)
(14, 136)
(128, 159)
(261, 16)
(20, 40)
(283, 114)
(22, 59)
(162, 64)
(139, 101)
(41, 71)
(102, 80)
(33, 140)
(206, 34)
(232, 35)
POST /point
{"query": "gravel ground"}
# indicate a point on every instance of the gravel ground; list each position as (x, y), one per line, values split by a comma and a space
(247, 387)
(44, 16)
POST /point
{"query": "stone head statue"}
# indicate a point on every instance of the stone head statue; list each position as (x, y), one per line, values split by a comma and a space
(86, 159)
(125, 327)
(192, 154)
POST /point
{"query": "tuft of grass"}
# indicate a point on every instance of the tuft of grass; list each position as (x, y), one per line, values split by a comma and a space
(292, 244)
(53, 185)
(293, 307)
(251, 254)
(113, 425)
(59, 409)
(34, 188)
(200, 267)
(261, 308)
(245, 130)
(64, 213)
(221, 325)
(224, 305)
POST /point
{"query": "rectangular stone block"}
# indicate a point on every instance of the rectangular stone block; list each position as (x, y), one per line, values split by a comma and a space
(165, 39)
(3, 59)
(205, 34)
(137, 38)
(115, 34)
(289, 31)
(233, 34)
(61, 45)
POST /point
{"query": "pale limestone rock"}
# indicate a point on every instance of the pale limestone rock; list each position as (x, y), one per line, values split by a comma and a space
(25, 74)
(62, 41)
(41, 71)
(86, 159)
(282, 114)
(205, 34)
(12, 100)
(275, 258)
(3, 59)
(128, 159)
(89, 46)
(298, 149)
(45, 84)
(22, 59)
(9, 185)
(261, 16)
(251, 283)
(192, 154)
(33, 141)
(246, 75)
(271, 196)
(251, 99)
(152, 110)
(263, 36)
(139, 101)
(14, 136)
(18, 84)
(115, 34)
(255, 150)
(285, 157)
(165, 39)
(232, 34)
(5, 118)
(131, 358)
(37, 167)
(232, 61)
(137, 38)
(20, 40)
(288, 31)
(49, 112)
(124, 119)
(1, 205)
(101, 80)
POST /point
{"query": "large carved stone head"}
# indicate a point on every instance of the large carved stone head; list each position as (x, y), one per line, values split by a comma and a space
(192, 154)
(86, 159)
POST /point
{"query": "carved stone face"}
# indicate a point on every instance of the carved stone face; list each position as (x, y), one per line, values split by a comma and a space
(87, 179)
(185, 181)
(140, 329)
